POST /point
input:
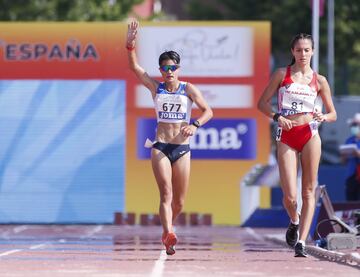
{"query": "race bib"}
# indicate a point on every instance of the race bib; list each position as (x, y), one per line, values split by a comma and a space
(297, 99)
(171, 111)
(172, 107)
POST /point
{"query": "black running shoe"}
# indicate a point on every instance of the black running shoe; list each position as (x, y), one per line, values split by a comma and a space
(292, 234)
(300, 250)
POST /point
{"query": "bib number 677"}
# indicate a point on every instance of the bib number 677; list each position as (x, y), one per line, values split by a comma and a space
(170, 107)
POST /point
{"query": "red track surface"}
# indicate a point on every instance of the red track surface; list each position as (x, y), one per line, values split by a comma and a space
(107, 250)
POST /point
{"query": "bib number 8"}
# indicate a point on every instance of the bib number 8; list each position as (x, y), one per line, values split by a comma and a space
(297, 106)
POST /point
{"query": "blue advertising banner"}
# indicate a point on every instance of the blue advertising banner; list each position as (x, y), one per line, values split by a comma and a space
(62, 149)
(219, 139)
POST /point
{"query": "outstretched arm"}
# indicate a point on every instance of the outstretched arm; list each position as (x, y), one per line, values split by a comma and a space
(150, 83)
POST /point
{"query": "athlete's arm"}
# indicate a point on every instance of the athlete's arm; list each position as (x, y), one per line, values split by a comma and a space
(325, 94)
(264, 103)
(196, 96)
(150, 83)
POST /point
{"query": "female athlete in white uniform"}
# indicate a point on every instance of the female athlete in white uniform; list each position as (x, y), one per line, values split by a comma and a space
(298, 87)
(170, 155)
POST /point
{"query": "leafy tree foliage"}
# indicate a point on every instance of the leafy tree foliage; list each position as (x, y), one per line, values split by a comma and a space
(65, 10)
(290, 17)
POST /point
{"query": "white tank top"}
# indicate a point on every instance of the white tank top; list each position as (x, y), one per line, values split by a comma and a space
(172, 107)
(295, 98)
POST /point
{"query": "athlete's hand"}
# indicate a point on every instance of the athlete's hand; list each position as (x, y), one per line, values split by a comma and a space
(131, 33)
(285, 123)
(188, 130)
(319, 116)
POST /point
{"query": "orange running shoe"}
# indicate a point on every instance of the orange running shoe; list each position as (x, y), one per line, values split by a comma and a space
(169, 240)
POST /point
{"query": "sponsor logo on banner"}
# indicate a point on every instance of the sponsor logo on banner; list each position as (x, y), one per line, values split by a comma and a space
(72, 50)
(218, 139)
(206, 51)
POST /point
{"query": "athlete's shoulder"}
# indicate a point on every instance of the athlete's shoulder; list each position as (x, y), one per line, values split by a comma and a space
(279, 75)
(280, 72)
(183, 84)
(188, 86)
(191, 90)
(322, 82)
(321, 78)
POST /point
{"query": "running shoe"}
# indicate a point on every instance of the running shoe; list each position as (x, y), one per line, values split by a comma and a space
(292, 234)
(300, 250)
(169, 240)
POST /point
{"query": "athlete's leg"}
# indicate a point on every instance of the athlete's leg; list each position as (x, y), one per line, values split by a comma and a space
(162, 171)
(180, 182)
(310, 158)
(287, 160)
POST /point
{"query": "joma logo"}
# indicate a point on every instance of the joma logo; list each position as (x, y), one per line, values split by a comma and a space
(214, 139)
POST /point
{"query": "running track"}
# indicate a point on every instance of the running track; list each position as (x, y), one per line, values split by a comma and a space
(112, 251)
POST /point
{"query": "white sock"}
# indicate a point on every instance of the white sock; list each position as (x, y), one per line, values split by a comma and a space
(296, 222)
(302, 242)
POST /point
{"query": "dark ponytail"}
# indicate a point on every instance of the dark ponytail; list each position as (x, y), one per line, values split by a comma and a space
(292, 61)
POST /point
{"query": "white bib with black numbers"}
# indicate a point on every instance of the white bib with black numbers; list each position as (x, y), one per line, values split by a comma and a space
(296, 98)
(172, 107)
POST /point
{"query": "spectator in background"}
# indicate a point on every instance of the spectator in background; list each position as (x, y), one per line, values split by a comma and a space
(350, 154)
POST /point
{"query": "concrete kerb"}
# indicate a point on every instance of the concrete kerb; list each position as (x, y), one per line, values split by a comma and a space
(351, 259)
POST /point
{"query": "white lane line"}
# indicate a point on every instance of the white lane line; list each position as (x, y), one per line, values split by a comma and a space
(32, 247)
(10, 252)
(93, 231)
(252, 233)
(15, 230)
(37, 246)
(20, 228)
(158, 268)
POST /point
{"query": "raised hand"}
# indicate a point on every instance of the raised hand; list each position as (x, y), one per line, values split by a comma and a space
(131, 33)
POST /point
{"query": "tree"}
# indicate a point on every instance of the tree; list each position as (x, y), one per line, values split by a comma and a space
(347, 46)
(290, 17)
(65, 10)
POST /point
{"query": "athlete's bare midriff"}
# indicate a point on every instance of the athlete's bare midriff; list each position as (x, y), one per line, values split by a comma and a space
(170, 133)
(300, 119)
